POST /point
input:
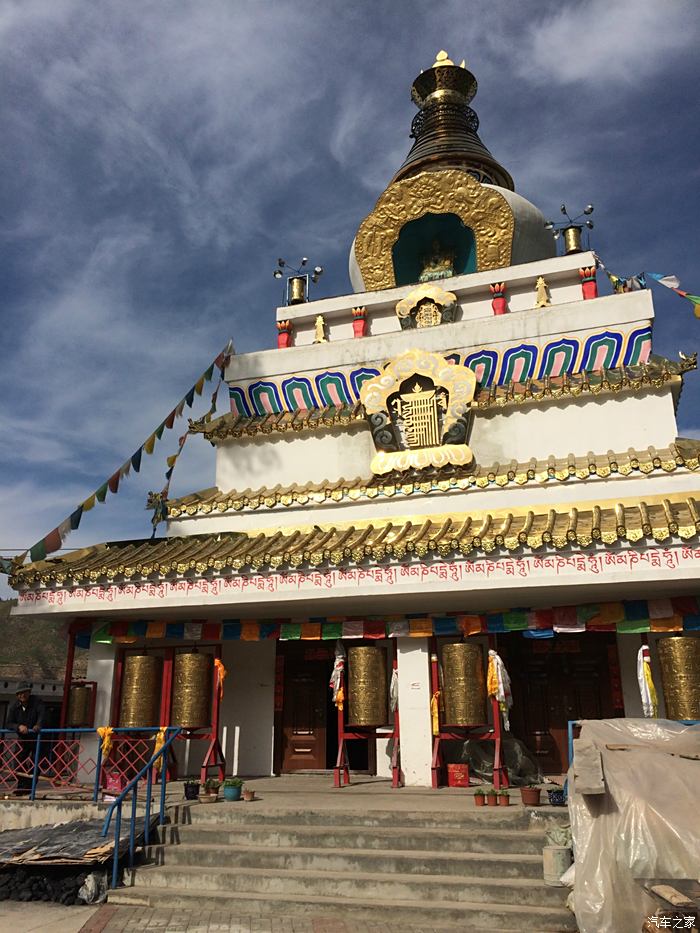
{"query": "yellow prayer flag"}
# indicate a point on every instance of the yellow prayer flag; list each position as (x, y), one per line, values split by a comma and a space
(199, 385)
(89, 503)
(420, 628)
(150, 444)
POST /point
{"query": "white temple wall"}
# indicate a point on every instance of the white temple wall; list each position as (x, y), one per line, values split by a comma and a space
(100, 668)
(284, 459)
(414, 708)
(247, 709)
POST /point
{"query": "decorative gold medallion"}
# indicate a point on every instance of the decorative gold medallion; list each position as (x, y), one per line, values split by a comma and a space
(418, 410)
(426, 306)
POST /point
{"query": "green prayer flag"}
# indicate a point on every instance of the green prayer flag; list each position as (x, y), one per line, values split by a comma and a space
(38, 552)
(331, 630)
(290, 631)
(515, 621)
(101, 493)
(102, 636)
(633, 626)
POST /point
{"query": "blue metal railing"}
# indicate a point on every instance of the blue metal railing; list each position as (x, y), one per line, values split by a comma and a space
(171, 734)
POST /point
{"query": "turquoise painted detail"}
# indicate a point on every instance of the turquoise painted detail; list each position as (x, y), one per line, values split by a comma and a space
(510, 371)
(552, 353)
(238, 401)
(332, 388)
(262, 392)
(485, 361)
(415, 246)
(601, 351)
(295, 387)
(638, 346)
(359, 376)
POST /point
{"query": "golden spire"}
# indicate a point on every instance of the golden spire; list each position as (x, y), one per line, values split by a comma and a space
(442, 58)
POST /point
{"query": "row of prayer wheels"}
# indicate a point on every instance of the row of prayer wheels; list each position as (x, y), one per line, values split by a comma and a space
(142, 681)
(463, 694)
(465, 685)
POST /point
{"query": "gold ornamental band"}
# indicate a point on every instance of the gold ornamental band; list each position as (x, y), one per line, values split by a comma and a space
(192, 697)
(367, 687)
(141, 687)
(464, 684)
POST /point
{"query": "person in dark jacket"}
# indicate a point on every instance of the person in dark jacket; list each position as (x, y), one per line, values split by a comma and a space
(26, 717)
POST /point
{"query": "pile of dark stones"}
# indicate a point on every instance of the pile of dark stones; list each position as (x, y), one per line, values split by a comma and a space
(60, 884)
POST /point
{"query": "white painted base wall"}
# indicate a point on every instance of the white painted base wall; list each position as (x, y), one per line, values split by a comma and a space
(247, 709)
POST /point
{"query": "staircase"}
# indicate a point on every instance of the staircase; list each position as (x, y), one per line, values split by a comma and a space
(468, 869)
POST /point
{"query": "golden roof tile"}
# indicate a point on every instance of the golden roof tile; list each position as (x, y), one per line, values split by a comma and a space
(683, 453)
(579, 524)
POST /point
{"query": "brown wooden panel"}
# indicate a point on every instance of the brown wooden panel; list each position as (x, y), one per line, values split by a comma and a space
(304, 715)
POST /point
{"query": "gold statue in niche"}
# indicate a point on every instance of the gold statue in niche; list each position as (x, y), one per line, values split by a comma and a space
(320, 330)
(439, 264)
(542, 296)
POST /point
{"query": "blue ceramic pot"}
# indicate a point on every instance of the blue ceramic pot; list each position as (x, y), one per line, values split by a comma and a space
(557, 798)
(232, 793)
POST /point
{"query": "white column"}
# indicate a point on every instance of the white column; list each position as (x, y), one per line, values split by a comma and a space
(627, 649)
(247, 709)
(414, 711)
(100, 669)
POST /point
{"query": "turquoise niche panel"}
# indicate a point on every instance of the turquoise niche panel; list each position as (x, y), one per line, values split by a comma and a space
(601, 351)
(298, 393)
(264, 398)
(638, 347)
(433, 247)
(559, 358)
(518, 364)
(483, 364)
(332, 389)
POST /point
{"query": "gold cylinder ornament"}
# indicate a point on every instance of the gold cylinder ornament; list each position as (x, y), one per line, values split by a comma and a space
(367, 687)
(464, 684)
(680, 675)
(192, 681)
(79, 702)
(297, 289)
(572, 240)
(141, 687)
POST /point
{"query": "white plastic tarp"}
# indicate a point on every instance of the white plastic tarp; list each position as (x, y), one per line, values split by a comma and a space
(645, 825)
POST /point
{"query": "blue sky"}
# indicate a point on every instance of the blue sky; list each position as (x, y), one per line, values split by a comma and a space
(157, 157)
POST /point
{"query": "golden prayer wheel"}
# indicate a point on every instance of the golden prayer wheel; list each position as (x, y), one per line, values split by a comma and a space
(464, 684)
(572, 240)
(79, 703)
(680, 675)
(192, 680)
(141, 685)
(297, 289)
(367, 690)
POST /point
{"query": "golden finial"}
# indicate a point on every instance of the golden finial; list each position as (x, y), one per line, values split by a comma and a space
(320, 329)
(442, 58)
(542, 296)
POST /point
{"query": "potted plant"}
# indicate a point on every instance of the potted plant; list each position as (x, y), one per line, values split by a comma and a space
(248, 794)
(192, 790)
(491, 797)
(479, 797)
(530, 795)
(557, 796)
(232, 788)
(503, 798)
(211, 791)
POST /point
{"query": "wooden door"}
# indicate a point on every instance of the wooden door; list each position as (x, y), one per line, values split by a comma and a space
(555, 680)
(304, 714)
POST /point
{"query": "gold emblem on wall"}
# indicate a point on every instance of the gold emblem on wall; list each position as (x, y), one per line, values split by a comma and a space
(418, 409)
(451, 191)
(426, 306)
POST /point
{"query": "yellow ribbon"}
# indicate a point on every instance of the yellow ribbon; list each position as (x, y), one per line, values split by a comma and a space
(221, 672)
(652, 689)
(492, 678)
(158, 744)
(105, 733)
(435, 712)
(339, 698)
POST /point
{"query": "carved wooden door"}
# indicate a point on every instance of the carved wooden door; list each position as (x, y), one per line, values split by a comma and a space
(304, 715)
(555, 680)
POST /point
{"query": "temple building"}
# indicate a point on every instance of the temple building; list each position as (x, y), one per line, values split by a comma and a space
(471, 448)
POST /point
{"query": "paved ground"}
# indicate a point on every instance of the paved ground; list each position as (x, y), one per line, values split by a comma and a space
(37, 917)
(127, 919)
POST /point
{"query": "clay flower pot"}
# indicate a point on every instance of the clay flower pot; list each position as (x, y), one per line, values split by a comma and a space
(503, 800)
(248, 795)
(491, 800)
(479, 800)
(530, 796)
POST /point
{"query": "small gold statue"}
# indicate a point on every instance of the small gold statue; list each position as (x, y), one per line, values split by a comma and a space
(439, 264)
(542, 295)
(320, 330)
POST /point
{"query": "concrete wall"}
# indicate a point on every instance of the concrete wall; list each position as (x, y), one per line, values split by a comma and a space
(414, 708)
(247, 710)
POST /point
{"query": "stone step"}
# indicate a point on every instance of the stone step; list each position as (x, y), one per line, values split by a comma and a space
(513, 817)
(467, 917)
(399, 838)
(378, 861)
(341, 884)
